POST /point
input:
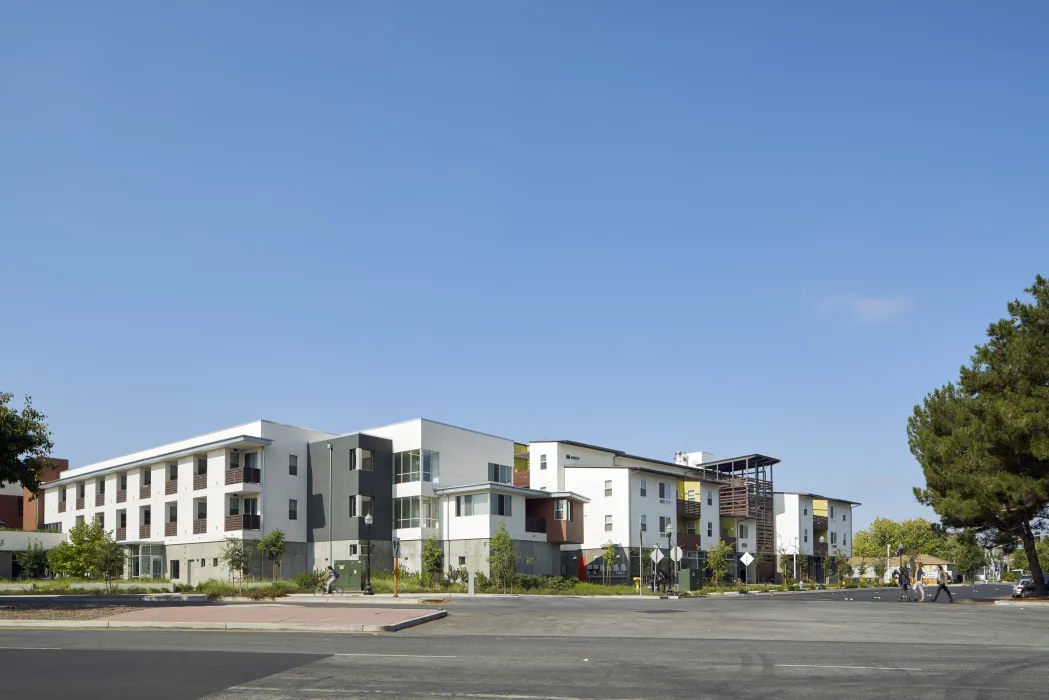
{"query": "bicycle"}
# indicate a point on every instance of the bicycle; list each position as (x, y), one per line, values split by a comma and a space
(321, 589)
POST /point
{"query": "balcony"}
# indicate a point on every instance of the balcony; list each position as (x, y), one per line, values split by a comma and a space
(200, 481)
(121, 534)
(729, 540)
(533, 524)
(122, 496)
(145, 492)
(200, 526)
(687, 509)
(170, 529)
(243, 475)
(688, 541)
(819, 550)
(171, 487)
(100, 500)
(80, 504)
(243, 522)
(61, 506)
(819, 522)
(143, 532)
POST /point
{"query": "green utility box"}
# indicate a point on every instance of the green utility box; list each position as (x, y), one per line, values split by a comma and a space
(689, 580)
(351, 574)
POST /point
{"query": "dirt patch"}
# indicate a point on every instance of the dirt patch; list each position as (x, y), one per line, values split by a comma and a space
(9, 613)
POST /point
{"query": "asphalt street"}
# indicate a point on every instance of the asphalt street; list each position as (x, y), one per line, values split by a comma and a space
(567, 649)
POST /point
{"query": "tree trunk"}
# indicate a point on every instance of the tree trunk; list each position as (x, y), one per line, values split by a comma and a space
(1032, 558)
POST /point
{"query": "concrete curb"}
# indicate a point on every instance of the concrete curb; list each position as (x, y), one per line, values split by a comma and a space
(136, 599)
(1023, 602)
(229, 626)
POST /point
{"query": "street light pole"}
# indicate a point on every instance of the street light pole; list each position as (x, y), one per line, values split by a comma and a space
(823, 541)
(331, 509)
(368, 572)
(673, 564)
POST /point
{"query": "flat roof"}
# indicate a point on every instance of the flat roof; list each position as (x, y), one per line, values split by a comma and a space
(497, 486)
(816, 495)
(621, 453)
(428, 420)
(732, 464)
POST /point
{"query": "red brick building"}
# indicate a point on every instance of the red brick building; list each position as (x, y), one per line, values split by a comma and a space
(20, 508)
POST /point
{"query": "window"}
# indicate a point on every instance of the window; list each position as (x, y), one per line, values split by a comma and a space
(366, 460)
(710, 529)
(53, 527)
(744, 532)
(462, 561)
(174, 568)
(173, 513)
(843, 543)
(690, 495)
(476, 504)
(80, 520)
(407, 467)
(571, 457)
(80, 489)
(406, 512)
(429, 512)
(563, 509)
(251, 460)
(644, 523)
(501, 504)
(834, 538)
(172, 472)
(234, 506)
(542, 462)
(664, 522)
(500, 473)
(202, 510)
(608, 488)
(293, 465)
(202, 466)
(352, 550)
(644, 489)
(122, 519)
(147, 516)
(293, 509)
(147, 477)
(710, 497)
(608, 523)
(215, 561)
(251, 506)
(691, 527)
(432, 466)
(806, 535)
(353, 506)
(844, 517)
(21, 507)
(123, 482)
(805, 510)
(353, 459)
(664, 493)
(366, 505)
(832, 512)
(100, 518)
(203, 563)
(234, 460)
(62, 494)
(101, 487)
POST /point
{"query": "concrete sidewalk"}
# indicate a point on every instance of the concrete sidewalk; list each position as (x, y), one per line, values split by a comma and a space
(266, 616)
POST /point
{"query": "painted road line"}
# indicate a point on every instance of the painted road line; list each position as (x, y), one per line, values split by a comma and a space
(853, 668)
(400, 693)
(402, 656)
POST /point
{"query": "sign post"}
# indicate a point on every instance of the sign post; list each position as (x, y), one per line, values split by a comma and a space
(747, 559)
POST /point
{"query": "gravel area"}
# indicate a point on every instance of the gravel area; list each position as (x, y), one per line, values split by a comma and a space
(62, 613)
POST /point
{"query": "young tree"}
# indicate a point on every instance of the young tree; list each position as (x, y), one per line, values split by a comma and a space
(25, 442)
(983, 444)
(966, 553)
(88, 552)
(110, 559)
(881, 565)
(608, 555)
(33, 561)
(272, 546)
(236, 555)
(433, 557)
(842, 568)
(717, 562)
(503, 558)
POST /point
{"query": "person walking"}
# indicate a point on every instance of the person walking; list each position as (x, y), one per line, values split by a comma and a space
(942, 578)
(905, 581)
(919, 585)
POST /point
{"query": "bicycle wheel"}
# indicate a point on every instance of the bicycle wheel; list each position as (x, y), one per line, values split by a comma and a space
(318, 590)
(337, 590)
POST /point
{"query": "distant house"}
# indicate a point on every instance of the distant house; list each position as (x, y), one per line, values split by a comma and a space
(864, 568)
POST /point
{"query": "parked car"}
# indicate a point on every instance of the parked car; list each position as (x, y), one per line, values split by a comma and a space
(1025, 586)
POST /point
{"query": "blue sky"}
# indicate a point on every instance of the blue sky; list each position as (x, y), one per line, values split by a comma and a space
(736, 227)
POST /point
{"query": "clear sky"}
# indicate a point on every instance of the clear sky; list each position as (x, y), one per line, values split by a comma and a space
(737, 227)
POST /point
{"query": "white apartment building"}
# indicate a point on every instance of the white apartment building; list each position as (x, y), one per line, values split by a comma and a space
(815, 526)
(174, 505)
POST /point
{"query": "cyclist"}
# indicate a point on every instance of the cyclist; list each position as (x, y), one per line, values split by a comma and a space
(331, 575)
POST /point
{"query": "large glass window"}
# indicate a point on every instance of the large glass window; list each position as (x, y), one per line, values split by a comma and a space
(202, 510)
(407, 466)
(429, 512)
(563, 509)
(251, 460)
(406, 512)
(431, 465)
(664, 492)
(500, 473)
(366, 460)
(476, 504)
(251, 506)
(501, 504)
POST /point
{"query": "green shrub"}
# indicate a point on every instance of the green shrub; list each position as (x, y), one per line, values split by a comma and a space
(308, 581)
(480, 580)
(260, 594)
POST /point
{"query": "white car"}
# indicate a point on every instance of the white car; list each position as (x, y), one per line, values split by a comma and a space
(1022, 585)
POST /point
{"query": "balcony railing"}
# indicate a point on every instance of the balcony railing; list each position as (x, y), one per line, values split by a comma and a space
(100, 499)
(533, 524)
(171, 487)
(243, 475)
(819, 550)
(143, 532)
(80, 504)
(200, 481)
(200, 526)
(819, 522)
(122, 496)
(121, 534)
(729, 540)
(145, 491)
(688, 541)
(687, 509)
(243, 522)
(61, 506)
(170, 529)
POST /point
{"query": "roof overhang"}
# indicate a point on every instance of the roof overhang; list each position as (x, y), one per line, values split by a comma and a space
(735, 464)
(495, 487)
(246, 440)
(816, 495)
